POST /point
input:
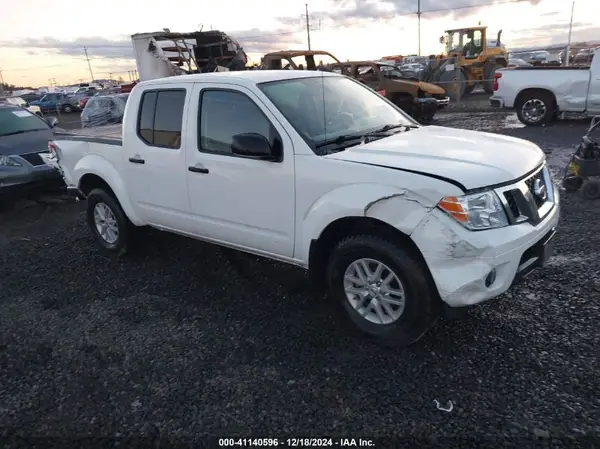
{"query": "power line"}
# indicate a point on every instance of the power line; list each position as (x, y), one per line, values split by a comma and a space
(307, 25)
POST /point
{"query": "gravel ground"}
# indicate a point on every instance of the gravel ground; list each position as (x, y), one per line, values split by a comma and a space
(174, 343)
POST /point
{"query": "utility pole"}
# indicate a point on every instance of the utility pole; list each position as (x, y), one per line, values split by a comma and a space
(1, 83)
(419, 21)
(307, 25)
(568, 52)
(89, 65)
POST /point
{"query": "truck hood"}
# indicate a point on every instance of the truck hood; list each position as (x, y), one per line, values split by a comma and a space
(470, 158)
(425, 87)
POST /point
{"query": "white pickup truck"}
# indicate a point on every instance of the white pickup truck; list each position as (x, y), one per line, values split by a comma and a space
(401, 222)
(540, 94)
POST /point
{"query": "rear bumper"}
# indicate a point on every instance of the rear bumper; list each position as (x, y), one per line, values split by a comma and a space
(74, 192)
(496, 102)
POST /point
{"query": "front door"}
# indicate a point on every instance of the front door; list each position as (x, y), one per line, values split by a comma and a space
(155, 157)
(235, 199)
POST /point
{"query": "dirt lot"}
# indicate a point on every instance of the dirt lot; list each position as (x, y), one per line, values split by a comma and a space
(173, 343)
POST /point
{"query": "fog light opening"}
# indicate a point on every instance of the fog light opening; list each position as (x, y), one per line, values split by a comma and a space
(490, 278)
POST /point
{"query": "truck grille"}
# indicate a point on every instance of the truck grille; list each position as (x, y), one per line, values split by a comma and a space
(33, 158)
(531, 185)
(530, 199)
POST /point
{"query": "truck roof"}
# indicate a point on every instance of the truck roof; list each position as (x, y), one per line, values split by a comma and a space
(244, 77)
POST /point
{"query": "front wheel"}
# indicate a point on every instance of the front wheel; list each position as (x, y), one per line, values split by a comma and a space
(382, 289)
(108, 222)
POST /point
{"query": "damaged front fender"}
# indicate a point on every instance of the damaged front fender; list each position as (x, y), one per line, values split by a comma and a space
(403, 209)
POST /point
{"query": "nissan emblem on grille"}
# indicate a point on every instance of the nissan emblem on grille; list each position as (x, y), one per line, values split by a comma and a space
(539, 189)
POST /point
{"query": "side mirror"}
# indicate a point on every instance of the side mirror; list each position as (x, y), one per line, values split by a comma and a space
(253, 146)
(442, 40)
(52, 121)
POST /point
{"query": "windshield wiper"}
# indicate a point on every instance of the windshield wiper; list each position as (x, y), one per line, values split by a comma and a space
(389, 127)
(363, 137)
(339, 140)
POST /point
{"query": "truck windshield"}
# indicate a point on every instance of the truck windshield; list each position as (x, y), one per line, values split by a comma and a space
(325, 107)
(18, 121)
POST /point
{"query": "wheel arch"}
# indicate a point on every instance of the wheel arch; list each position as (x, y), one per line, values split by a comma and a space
(535, 90)
(321, 248)
(95, 172)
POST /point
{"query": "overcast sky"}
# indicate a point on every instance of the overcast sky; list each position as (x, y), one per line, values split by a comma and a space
(41, 39)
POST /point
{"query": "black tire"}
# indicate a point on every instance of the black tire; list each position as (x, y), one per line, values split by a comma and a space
(67, 108)
(591, 189)
(120, 246)
(446, 81)
(419, 312)
(406, 103)
(572, 183)
(489, 70)
(539, 100)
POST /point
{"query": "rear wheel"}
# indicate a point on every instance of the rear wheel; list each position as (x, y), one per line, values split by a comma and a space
(109, 225)
(535, 108)
(67, 108)
(381, 289)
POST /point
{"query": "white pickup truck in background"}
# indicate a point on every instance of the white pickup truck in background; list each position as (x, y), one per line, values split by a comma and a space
(401, 222)
(540, 94)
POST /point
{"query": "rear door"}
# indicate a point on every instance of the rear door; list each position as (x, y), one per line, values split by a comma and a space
(155, 156)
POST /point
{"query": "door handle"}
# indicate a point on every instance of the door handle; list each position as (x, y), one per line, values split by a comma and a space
(198, 169)
(136, 160)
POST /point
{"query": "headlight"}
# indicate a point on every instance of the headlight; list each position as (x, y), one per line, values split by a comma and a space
(6, 161)
(476, 211)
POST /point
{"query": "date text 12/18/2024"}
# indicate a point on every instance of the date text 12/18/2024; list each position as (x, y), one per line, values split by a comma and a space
(296, 442)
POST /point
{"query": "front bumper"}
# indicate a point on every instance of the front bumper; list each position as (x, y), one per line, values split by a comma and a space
(461, 261)
(28, 176)
(443, 102)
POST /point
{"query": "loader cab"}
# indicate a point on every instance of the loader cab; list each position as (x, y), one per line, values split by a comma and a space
(469, 42)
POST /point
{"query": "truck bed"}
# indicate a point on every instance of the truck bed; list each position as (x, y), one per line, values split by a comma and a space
(109, 134)
(550, 67)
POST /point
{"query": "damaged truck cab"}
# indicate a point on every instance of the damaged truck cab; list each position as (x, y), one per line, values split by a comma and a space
(398, 221)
